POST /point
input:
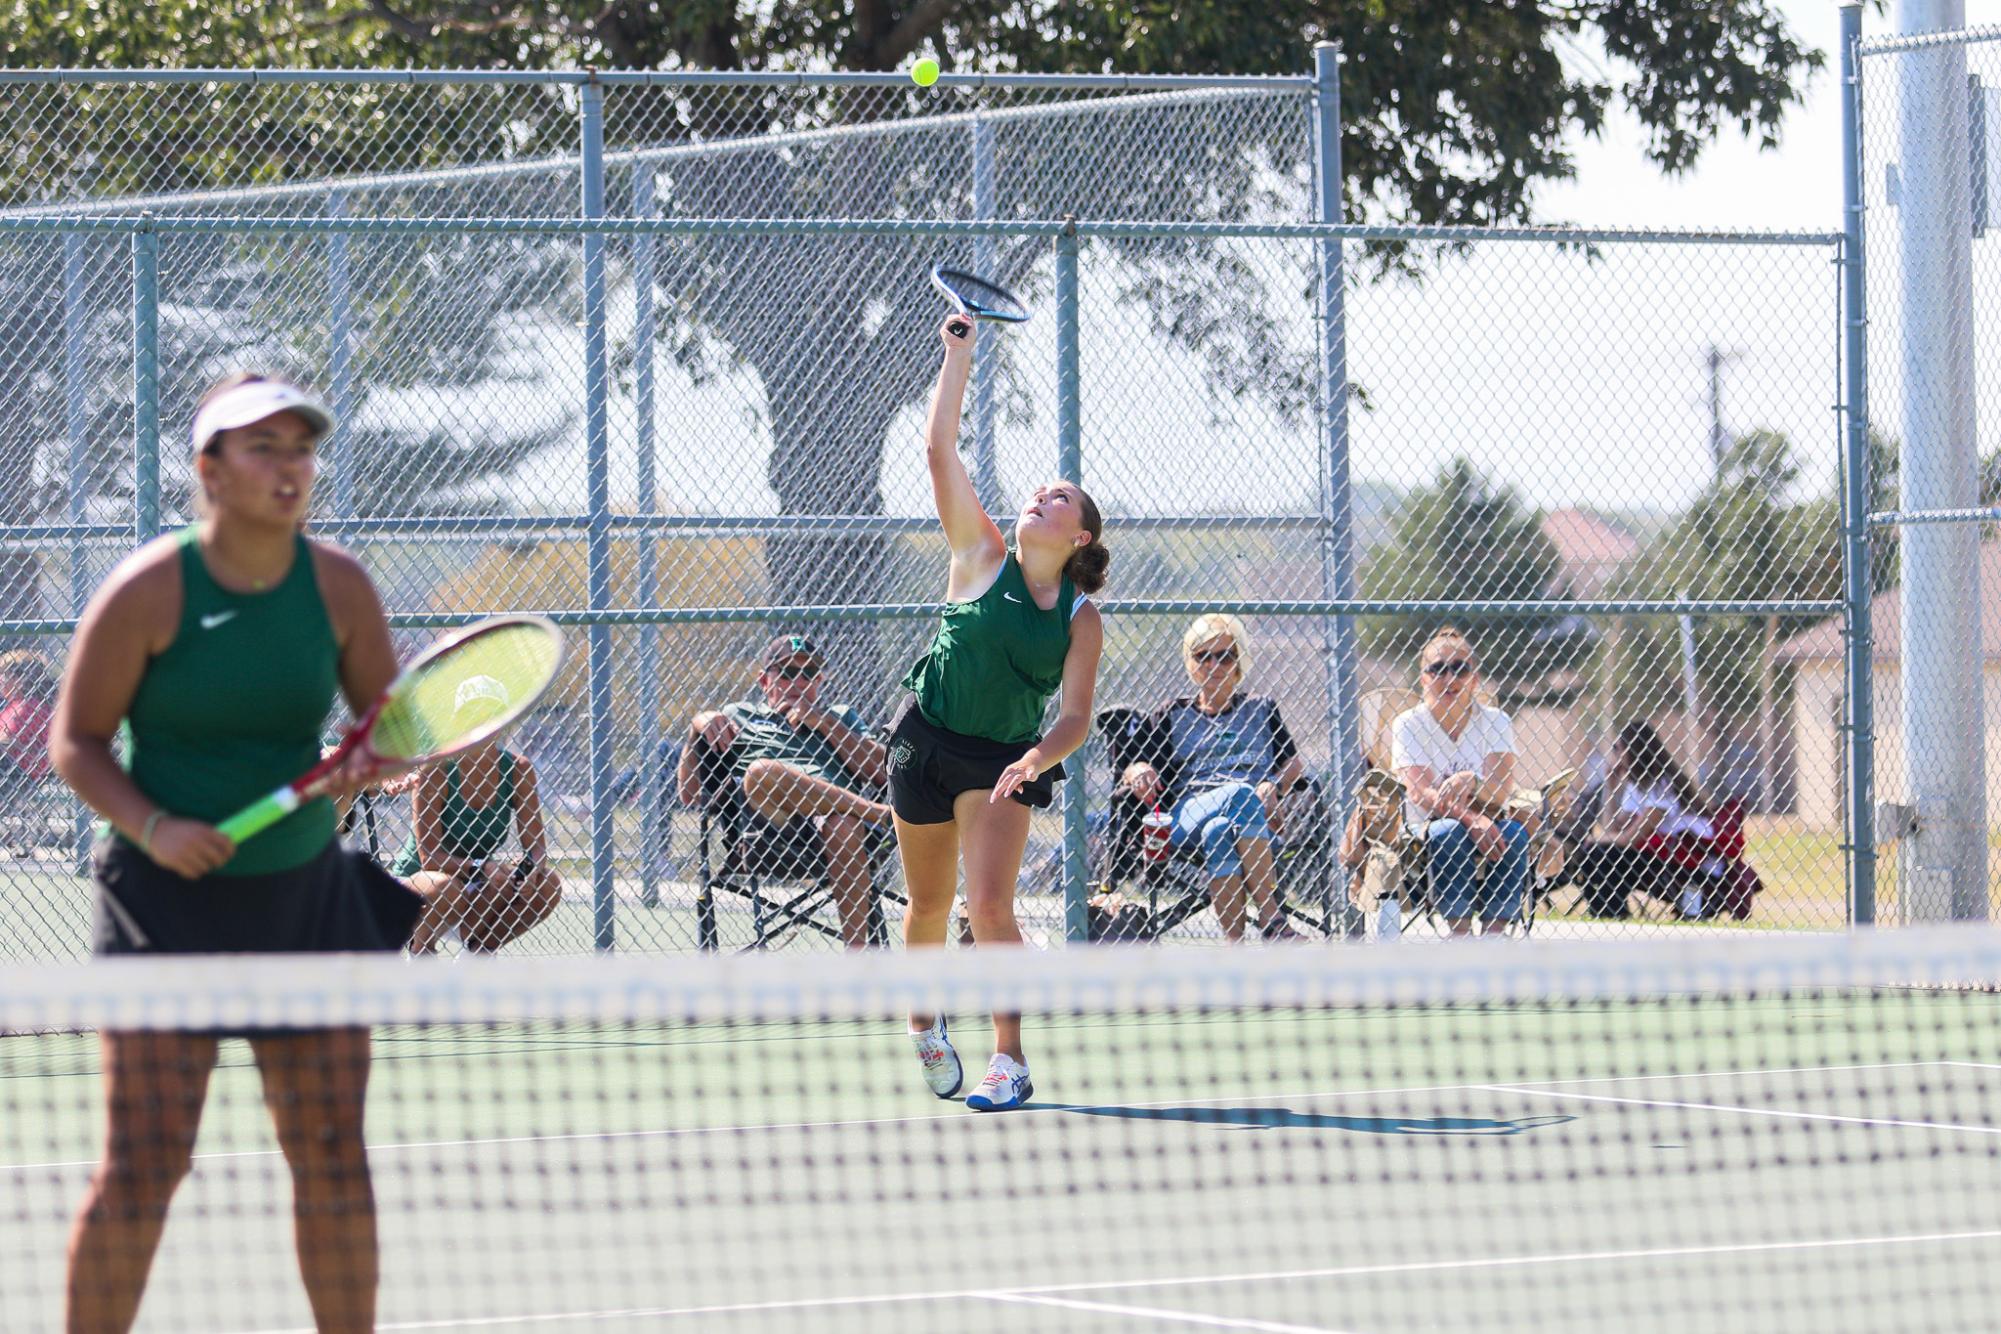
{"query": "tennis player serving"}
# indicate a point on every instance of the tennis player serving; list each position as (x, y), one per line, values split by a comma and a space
(219, 649)
(967, 755)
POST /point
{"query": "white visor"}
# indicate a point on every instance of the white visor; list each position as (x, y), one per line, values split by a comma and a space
(481, 690)
(253, 401)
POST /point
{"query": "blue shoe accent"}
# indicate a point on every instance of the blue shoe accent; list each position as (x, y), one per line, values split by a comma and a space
(1005, 1088)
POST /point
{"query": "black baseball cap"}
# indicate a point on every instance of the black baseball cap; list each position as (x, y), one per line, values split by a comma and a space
(787, 647)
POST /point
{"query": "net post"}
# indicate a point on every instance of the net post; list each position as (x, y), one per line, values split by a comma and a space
(656, 825)
(1070, 464)
(146, 381)
(597, 439)
(1337, 552)
(1859, 740)
(986, 465)
(340, 360)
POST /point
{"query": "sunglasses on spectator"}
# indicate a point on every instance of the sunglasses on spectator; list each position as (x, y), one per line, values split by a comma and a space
(1449, 667)
(801, 672)
(1215, 655)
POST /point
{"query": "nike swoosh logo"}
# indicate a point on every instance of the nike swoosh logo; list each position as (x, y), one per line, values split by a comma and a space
(215, 618)
(1010, 597)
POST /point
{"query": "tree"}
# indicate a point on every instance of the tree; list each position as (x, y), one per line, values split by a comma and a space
(1464, 539)
(1742, 538)
(1452, 113)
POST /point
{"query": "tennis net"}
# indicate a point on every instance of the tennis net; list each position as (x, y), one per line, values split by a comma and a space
(1731, 1133)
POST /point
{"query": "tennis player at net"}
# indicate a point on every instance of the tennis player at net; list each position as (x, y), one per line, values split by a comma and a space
(219, 649)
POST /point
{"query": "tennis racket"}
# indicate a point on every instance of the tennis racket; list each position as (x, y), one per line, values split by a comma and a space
(975, 297)
(461, 692)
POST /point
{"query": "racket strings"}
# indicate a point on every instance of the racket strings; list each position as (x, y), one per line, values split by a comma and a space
(474, 691)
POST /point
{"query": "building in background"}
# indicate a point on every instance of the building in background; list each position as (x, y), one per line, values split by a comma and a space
(1815, 657)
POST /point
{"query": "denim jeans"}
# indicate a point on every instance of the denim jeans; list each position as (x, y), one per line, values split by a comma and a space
(1456, 882)
(1216, 818)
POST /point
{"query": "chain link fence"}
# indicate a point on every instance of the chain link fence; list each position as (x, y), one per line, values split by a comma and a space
(1930, 143)
(650, 354)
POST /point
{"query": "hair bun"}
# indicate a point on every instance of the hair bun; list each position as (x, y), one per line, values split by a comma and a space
(1088, 566)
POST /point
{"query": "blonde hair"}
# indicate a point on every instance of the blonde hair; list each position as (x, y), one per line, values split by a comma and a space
(1210, 624)
(1448, 634)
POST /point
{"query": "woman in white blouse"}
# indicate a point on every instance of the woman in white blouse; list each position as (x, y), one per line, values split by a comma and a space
(1653, 835)
(1456, 757)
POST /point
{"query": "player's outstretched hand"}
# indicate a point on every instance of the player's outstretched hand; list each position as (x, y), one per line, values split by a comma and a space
(1014, 778)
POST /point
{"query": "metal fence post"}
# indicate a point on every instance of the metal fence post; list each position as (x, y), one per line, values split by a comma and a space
(1942, 867)
(1070, 464)
(656, 822)
(986, 464)
(1859, 747)
(340, 353)
(146, 381)
(76, 409)
(1337, 556)
(76, 425)
(597, 450)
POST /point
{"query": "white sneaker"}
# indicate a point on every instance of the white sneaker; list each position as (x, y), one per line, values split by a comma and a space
(942, 1070)
(1005, 1088)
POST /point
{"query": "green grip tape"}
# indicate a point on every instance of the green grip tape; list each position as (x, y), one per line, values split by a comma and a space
(260, 815)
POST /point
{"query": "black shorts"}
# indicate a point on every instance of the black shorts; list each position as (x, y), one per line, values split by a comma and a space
(929, 766)
(339, 901)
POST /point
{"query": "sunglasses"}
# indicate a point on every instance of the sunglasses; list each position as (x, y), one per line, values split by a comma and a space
(790, 672)
(1214, 655)
(1449, 667)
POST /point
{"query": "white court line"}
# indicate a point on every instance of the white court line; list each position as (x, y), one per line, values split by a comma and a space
(948, 1118)
(1163, 1313)
(1201, 1280)
(1742, 1111)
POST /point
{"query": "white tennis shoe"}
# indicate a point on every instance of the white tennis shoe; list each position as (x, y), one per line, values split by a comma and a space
(1005, 1088)
(942, 1070)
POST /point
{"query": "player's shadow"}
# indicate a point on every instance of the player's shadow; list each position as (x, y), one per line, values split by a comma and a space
(1284, 1118)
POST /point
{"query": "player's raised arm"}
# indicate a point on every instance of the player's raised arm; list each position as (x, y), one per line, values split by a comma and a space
(975, 540)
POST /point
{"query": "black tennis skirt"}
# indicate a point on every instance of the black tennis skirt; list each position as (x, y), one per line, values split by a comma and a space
(929, 766)
(339, 901)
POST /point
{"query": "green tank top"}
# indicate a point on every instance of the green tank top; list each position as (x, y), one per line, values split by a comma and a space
(235, 706)
(996, 661)
(468, 830)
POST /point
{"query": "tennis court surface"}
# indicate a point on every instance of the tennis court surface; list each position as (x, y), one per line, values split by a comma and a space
(1744, 1134)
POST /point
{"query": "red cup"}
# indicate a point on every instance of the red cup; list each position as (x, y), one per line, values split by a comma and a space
(1156, 835)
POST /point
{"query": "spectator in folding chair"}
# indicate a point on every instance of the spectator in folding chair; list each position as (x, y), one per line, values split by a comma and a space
(1222, 763)
(1456, 758)
(792, 759)
(1654, 835)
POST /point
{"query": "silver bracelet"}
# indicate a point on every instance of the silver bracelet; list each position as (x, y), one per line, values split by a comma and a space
(146, 831)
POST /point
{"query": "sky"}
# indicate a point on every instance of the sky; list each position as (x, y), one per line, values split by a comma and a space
(1575, 379)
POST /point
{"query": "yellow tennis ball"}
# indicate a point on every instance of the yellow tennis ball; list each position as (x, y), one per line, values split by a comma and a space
(924, 73)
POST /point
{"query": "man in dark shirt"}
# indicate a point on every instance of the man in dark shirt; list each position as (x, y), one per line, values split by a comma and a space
(796, 759)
